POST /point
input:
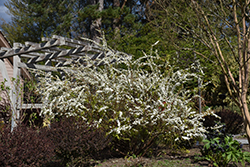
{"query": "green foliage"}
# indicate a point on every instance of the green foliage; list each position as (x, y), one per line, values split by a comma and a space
(185, 40)
(32, 20)
(221, 153)
(220, 149)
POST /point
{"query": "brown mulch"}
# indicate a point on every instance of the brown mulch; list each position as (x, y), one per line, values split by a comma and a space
(183, 159)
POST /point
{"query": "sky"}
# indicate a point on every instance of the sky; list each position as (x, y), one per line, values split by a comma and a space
(3, 12)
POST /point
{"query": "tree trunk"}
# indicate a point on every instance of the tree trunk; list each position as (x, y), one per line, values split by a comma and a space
(116, 27)
(95, 27)
(244, 79)
(245, 113)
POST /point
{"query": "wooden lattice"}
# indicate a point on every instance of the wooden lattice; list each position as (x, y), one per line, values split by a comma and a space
(63, 51)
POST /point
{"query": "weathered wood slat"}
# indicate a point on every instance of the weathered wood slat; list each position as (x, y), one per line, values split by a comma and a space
(45, 39)
(37, 66)
(52, 50)
(18, 45)
(28, 43)
(30, 106)
(4, 49)
(27, 55)
(16, 94)
(35, 54)
(32, 48)
(62, 53)
(69, 40)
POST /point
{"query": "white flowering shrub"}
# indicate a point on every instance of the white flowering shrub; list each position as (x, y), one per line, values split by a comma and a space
(137, 101)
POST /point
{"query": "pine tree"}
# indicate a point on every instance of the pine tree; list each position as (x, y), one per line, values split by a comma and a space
(34, 19)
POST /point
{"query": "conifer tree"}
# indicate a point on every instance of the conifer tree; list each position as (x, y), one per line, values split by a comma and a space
(32, 20)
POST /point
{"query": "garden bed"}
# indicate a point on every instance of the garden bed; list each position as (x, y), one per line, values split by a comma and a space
(164, 158)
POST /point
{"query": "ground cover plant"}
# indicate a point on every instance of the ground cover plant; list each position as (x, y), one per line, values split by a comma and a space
(220, 148)
(138, 102)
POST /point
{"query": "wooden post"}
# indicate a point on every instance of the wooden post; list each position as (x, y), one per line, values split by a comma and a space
(16, 96)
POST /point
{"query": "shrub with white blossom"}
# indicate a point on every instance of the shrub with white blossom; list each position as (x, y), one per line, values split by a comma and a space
(130, 98)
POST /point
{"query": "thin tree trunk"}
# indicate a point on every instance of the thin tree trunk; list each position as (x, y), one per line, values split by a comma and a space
(95, 27)
(116, 27)
(244, 80)
(245, 113)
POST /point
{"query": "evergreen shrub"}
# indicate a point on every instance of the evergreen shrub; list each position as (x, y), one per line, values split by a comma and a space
(233, 121)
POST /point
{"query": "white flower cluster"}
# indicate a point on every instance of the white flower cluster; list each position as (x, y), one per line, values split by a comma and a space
(124, 95)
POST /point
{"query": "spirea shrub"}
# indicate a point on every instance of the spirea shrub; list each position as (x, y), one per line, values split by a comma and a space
(129, 98)
(25, 147)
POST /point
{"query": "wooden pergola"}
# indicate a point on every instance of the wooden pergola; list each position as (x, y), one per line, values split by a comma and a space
(59, 50)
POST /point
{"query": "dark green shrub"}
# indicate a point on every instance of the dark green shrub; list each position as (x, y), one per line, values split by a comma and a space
(25, 147)
(76, 142)
(232, 120)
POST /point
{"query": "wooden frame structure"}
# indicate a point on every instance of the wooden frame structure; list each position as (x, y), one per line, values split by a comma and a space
(60, 50)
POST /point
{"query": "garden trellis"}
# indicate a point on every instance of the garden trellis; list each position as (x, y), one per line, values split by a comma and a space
(59, 51)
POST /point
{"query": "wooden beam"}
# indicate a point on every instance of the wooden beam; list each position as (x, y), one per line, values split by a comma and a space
(62, 53)
(32, 48)
(37, 66)
(18, 45)
(27, 56)
(30, 106)
(69, 40)
(4, 49)
(40, 67)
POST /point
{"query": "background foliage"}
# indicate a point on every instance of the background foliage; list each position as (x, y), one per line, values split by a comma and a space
(129, 25)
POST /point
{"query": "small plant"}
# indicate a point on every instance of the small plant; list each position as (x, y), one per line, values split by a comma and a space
(221, 149)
